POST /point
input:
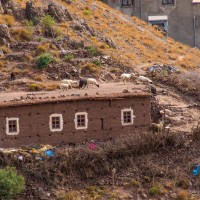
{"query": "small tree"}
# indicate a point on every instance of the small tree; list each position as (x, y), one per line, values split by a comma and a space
(44, 60)
(11, 184)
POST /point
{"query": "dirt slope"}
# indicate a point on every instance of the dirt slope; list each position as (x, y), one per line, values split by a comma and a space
(85, 36)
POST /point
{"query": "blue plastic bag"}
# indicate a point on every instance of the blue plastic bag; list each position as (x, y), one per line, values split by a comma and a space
(49, 153)
(196, 170)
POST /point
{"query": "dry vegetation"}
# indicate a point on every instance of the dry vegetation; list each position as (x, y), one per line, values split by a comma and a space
(139, 160)
(132, 41)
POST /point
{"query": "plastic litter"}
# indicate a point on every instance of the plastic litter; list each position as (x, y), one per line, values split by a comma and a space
(38, 158)
(196, 170)
(20, 158)
(49, 153)
(92, 145)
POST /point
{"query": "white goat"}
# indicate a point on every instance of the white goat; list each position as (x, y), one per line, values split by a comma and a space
(92, 81)
(144, 79)
(127, 77)
(72, 82)
(65, 86)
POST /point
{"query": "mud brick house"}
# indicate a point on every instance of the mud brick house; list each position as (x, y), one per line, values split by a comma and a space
(179, 18)
(73, 116)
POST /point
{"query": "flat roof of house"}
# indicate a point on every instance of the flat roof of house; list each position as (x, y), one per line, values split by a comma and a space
(105, 91)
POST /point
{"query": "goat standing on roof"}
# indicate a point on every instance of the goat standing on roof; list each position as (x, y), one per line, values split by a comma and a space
(65, 86)
(127, 77)
(145, 80)
(86, 82)
(82, 83)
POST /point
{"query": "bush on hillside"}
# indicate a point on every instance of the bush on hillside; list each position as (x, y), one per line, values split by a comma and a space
(154, 191)
(87, 12)
(50, 27)
(35, 87)
(69, 57)
(93, 51)
(48, 21)
(43, 60)
(11, 184)
(97, 62)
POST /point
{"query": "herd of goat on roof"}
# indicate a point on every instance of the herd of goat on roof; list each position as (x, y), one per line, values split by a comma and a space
(125, 77)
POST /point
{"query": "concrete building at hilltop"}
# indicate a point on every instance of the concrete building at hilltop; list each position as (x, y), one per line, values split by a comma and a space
(179, 18)
(73, 117)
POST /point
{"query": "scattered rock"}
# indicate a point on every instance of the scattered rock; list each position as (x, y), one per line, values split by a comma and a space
(32, 13)
(81, 25)
(109, 76)
(4, 31)
(126, 91)
(58, 12)
(109, 42)
(1, 9)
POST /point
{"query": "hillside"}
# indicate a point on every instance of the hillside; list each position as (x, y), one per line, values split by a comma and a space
(84, 36)
(46, 41)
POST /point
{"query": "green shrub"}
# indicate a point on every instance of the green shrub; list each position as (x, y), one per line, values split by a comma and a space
(29, 23)
(43, 60)
(93, 51)
(154, 191)
(87, 12)
(97, 62)
(11, 184)
(69, 57)
(48, 21)
(35, 87)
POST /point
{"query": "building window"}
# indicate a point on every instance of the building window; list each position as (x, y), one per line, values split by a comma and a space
(127, 2)
(81, 120)
(56, 122)
(127, 117)
(168, 2)
(12, 126)
(159, 22)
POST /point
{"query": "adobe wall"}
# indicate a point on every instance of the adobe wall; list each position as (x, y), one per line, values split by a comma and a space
(34, 121)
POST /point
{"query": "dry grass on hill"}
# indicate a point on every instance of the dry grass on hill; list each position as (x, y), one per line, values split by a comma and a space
(128, 40)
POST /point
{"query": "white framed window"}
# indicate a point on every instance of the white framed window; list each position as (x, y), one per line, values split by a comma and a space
(56, 122)
(81, 120)
(127, 117)
(160, 22)
(12, 126)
